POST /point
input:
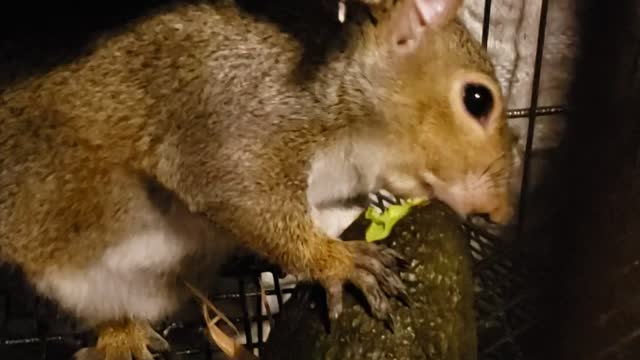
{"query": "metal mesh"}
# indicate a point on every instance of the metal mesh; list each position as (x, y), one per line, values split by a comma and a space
(31, 328)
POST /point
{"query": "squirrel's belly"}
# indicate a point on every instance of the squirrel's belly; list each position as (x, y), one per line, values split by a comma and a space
(131, 279)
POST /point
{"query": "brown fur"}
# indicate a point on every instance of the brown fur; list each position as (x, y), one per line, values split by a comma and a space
(210, 103)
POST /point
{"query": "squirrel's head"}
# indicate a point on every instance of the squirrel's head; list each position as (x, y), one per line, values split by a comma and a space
(443, 118)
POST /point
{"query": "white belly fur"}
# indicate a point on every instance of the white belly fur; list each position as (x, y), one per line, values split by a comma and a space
(129, 280)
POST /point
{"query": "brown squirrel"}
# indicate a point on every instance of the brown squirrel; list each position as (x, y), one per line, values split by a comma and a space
(194, 129)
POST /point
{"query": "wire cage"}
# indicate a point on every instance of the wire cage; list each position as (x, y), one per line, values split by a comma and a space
(31, 327)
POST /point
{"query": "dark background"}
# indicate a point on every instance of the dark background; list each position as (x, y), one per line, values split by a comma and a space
(594, 297)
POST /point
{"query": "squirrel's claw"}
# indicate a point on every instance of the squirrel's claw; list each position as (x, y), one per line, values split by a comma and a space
(374, 273)
(129, 340)
(334, 300)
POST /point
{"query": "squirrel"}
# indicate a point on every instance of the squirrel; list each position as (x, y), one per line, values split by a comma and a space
(202, 126)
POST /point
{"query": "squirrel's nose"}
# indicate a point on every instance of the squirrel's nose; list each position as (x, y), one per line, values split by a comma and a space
(501, 215)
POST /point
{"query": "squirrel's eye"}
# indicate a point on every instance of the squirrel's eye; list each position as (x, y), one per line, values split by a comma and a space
(478, 100)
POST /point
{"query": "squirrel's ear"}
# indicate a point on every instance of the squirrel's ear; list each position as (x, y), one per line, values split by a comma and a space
(411, 20)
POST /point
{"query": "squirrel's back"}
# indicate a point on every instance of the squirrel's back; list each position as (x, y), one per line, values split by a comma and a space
(152, 93)
(157, 67)
(119, 103)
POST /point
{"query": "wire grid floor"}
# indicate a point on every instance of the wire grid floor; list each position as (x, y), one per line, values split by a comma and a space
(31, 328)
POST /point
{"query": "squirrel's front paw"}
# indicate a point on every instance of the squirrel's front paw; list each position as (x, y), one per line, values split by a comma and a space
(375, 273)
(124, 340)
